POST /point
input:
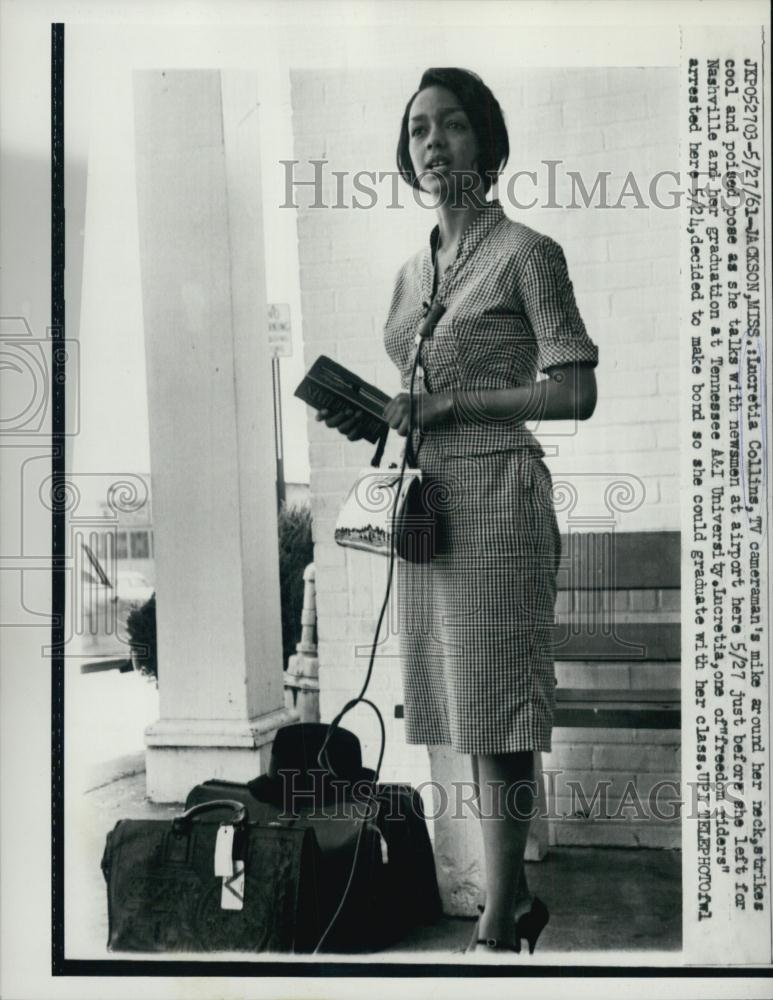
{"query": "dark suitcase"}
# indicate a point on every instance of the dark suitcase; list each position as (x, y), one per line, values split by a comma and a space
(393, 886)
(163, 894)
(412, 886)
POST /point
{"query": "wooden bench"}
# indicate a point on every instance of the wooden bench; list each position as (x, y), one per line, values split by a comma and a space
(613, 709)
(616, 594)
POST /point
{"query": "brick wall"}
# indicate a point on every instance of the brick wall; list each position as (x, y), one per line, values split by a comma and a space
(624, 266)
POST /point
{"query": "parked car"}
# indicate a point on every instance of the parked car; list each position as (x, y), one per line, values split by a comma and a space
(131, 588)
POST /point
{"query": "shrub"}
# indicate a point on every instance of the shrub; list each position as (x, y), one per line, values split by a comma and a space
(141, 627)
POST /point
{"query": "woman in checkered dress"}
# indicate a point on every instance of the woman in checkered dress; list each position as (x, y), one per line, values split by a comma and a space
(475, 622)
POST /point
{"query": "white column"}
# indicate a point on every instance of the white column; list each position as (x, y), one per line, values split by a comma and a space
(210, 416)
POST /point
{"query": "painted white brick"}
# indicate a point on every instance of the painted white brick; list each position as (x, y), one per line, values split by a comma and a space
(326, 506)
(322, 224)
(636, 758)
(322, 526)
(631, 411)
(612, 784)
(656, 158)
(536, 90)
(614, 107)
(640, 301)
(617, 439)
(329, 480)
(329, 555)
(590, 83)
(578, 249)
(593, 675)
(623, 135)
(613, 463)
(625, 274)
(316, 303)
(643, 245)
(339, 273)
(594, 306)
(658, 737)
(354, 324)
(656, 676)
(536, 118)
(578, 756)
(326, 454)
(360, 596)
(615, 834)
(331, 606)
(332, 578)
(315, 251)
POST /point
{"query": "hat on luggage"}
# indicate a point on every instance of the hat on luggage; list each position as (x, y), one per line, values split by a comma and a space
(294, 776)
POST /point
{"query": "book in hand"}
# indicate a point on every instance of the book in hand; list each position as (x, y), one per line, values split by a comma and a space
(329, 386)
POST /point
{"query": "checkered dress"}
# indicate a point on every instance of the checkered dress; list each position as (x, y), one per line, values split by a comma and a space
(476, 622)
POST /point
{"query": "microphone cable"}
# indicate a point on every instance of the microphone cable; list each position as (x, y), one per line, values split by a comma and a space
(432, 314)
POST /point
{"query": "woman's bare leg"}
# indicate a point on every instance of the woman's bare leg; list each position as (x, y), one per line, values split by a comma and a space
(523, 897)
(506, 798)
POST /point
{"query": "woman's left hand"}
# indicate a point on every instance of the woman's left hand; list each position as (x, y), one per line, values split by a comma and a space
(429, 410)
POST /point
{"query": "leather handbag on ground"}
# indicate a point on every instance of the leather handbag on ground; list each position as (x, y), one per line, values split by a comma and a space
(383, 502)
(362, 924)
(394, 887)
(164, 893)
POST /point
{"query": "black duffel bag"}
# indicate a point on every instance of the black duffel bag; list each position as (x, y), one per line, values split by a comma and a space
(163, 894)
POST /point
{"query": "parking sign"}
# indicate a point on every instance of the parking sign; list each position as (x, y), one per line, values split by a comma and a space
(280, 338)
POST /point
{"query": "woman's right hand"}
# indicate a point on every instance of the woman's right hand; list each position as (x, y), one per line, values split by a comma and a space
(349, 422)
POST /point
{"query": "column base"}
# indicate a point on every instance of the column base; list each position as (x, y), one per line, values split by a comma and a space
(183, 752)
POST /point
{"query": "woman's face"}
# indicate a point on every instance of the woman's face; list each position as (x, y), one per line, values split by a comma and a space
(442, 144)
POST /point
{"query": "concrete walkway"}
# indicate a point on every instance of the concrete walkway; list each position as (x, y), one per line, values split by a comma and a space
(608, 905)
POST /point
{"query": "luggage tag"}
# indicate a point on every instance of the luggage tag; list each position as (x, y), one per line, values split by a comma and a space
(224, 851)
(232, 893)
(229, 869)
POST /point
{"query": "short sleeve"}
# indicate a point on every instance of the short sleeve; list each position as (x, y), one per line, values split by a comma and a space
(548, 299)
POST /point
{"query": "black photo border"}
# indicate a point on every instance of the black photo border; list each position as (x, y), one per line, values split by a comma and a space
(60, 964)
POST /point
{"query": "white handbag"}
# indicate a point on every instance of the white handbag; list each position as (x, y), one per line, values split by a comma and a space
(386, 502)
(395, 502)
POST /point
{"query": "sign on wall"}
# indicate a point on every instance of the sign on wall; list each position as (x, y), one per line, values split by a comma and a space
(280, 338)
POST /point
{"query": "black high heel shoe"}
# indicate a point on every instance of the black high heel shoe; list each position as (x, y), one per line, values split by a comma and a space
(491, 944)
(531, 924)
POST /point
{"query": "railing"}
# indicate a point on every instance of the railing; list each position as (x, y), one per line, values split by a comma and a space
(302, 674)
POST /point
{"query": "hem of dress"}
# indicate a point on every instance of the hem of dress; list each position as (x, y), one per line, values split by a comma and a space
(536, 746)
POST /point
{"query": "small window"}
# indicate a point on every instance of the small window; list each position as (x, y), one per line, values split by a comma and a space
(139, 544)
(121, 545)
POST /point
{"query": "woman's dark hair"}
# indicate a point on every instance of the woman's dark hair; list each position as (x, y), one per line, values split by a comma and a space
(483, 111)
